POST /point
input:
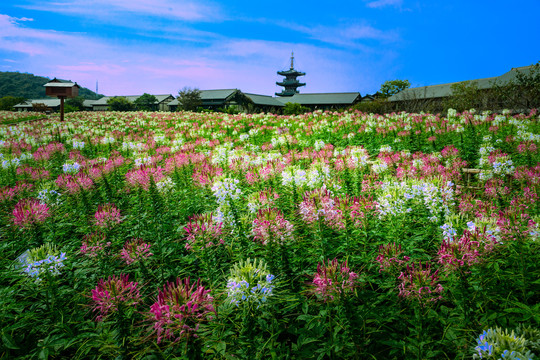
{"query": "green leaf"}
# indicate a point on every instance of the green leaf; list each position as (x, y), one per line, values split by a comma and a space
(9, 342)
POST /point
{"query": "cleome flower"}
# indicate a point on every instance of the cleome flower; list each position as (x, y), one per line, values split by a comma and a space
(94, 244)
(419, 283)
(203, 232)
(113, 293)
(389, 257)
(107, 216)
(30, 212)
(270, 225)
(333, 280)
(249, 283)
(42, 261)
(179, 310)
(135, 250)
(503, 344)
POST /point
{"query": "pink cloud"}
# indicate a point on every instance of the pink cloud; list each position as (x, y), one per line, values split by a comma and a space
(109, 9)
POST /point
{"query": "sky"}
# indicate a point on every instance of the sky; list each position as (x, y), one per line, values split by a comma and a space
(161, 46)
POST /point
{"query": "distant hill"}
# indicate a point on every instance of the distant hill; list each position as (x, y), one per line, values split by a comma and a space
(31, 87)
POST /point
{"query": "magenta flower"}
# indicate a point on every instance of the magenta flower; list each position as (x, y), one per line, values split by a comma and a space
(466, 251)
(107, 216)
(135, 250)
(94, 244)
(73, 184)
(270, 225)
(419, 283)
(29, 212)
(333, 280)
(203, 232)
(140, 177)
(112, 293)
(179, 310)
(389, 257)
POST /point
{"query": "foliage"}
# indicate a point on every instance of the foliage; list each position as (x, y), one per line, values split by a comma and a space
(465, 96)
(377, 106)
(189, 99)
(76, 103)
(146, 102)
(327, 235)
(8, 102)
(294, 109)
(523, 92)
(30, 86)
(392, 87)
(120, 103)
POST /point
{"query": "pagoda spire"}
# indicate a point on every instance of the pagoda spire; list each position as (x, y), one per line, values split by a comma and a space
(290, 83)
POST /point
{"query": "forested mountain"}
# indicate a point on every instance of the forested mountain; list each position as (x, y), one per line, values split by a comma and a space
(30, 86)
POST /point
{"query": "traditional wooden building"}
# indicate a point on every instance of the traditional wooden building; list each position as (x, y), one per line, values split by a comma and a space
(290, 83)
(160, 105)
(218, 99)
(323, 101)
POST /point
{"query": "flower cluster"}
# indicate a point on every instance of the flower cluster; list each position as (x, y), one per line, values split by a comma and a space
(270, 225)
(333, 280)
(115, 292)
(30, 212)
(501, 344)
(389, 257)
(107, 216)
(43, 260)
(71, 168)
(179, 309)
(468, 250)
(419, 283)
(203, 232)
(135, 250)
(225, 190)
(249, 282)
(94, 244)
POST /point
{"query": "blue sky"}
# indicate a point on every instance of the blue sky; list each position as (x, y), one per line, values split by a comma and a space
(159, 47)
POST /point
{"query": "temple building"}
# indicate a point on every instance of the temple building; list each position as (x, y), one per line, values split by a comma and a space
(290, 83)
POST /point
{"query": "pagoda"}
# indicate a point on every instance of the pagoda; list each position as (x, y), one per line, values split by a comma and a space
(290, 83)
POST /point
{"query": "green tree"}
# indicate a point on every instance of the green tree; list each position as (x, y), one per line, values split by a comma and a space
(392, 87)
(189, 99)
(465, 96)
(8, 102)
(76, 103)
(120, 103)
(146, 102)
(522, 92)
(295, 109)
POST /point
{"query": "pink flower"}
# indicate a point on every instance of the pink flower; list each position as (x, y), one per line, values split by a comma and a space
(112, 293)
(418, 283)
(270, 225)
(179, 309)
(107, 216)
(29, 212)
(333, 280)
(203, 232)
(389, 257)
(140, 177)
(135, 250)
(467, 251)
(74, 183)
(94, 244)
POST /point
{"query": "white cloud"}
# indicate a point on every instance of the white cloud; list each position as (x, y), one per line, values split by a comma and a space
(383, 3)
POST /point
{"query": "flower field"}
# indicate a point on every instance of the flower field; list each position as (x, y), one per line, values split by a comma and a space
(319, 236)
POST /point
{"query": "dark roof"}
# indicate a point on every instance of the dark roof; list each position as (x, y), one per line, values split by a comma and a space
(444, 90)
(132, 98)
(346, 98)
(264, 100)
(219, 94)
(49, 103)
